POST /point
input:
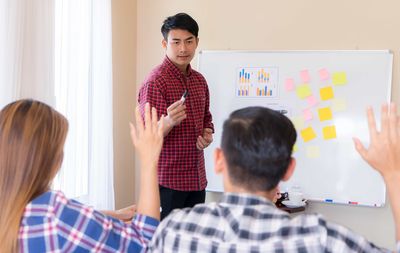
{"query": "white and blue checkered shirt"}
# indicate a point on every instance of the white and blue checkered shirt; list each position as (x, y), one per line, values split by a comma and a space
(53, 223)
(248, 223)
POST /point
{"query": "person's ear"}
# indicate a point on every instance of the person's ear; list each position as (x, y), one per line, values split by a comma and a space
(219, 161)
(290, 169)
(164, 43)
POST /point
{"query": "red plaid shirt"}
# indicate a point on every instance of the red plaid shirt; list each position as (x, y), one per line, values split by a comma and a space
(181, 164)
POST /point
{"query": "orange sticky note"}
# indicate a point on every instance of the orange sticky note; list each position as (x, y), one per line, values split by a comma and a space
(308, 134)
(329, 132)
(326, 93)
(325, 113)
(303, 91)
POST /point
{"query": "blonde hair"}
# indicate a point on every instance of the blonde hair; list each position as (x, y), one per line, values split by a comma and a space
(32, 137)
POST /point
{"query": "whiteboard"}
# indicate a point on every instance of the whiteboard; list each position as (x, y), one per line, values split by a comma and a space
(325, 94)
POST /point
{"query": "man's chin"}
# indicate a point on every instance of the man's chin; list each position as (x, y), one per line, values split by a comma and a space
(182, 63)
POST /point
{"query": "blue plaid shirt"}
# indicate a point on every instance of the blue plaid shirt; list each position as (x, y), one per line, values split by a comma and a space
(53, 223)
(248, 223)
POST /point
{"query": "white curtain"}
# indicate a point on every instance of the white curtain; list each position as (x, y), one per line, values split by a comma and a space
(59, 51)
(84, 94)
(26, 51)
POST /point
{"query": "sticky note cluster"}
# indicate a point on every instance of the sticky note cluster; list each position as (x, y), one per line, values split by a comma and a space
(303, 90)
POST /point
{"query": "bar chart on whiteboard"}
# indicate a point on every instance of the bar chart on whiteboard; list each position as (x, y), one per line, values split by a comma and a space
(257, 82)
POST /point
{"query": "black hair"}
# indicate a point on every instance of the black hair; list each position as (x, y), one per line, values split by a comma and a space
(180, 21)
(257, 143)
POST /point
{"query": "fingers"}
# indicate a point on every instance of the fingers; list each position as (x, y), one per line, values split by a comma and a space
(384, 119)
(179, 116)
(139, 127)
(139, 121)
(208, 138)
(176, 113)
(207, 135)
(147, 117)
(176, 109)
(393, 122)
(154, 119)
(371, 123)
(202, 143)
(208, 131)
(175, 105)
(199, 146)
(150, 123)
(360, 148)
(161, 122)
(133, 133)
(384, 147)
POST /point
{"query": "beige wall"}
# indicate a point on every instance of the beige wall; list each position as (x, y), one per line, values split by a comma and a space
(124, 76)
(251, 25)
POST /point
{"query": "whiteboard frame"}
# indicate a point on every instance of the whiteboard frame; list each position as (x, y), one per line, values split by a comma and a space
(388, 94)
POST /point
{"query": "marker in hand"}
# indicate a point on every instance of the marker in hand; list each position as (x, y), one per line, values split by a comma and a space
(183, 98)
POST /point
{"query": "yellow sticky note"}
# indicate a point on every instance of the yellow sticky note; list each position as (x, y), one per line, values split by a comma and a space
(325, 114)
(303, 91)
(298, 122)
(339, 78)
(313, 152)
(329, 132)
(326, 93)
(308, 134)
(338, 105)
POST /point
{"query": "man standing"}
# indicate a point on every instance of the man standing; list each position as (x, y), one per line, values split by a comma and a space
(181, 94)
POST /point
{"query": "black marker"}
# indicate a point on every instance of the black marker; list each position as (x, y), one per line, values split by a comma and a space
(185, 94)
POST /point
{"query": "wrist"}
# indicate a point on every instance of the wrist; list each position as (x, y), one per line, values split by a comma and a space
(392, 178)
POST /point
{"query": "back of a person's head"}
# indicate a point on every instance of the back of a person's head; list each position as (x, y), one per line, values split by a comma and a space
(32, 136)
(257, 143)
(180, 21)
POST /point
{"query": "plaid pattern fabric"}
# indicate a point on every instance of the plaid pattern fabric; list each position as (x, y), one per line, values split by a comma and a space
(248, 223)
(181, 164)
(53, 223)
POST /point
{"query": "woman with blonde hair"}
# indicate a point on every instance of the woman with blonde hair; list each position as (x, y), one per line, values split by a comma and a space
(33, 218)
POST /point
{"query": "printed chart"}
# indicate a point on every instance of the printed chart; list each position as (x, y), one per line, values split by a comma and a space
(257, 82)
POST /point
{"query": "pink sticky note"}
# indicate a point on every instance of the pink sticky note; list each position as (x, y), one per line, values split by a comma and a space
(305, 76)
(289, 84)
(307, 114)
(312, 101)
(323, 74)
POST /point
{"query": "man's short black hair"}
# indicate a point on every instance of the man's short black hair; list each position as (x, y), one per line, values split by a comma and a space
(257, 143)
(180, 21)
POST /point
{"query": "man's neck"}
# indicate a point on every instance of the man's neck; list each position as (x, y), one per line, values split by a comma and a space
(184, 70)
(269, 195)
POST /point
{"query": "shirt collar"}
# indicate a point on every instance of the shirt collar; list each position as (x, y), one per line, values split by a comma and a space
(174, 69)
(245, 199)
